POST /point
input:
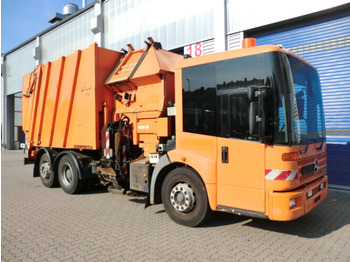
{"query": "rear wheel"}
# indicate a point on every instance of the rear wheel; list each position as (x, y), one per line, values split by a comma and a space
(184, 197)
(68, 176)
(48, 177)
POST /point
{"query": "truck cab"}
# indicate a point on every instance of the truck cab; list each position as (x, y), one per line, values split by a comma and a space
(250, 123)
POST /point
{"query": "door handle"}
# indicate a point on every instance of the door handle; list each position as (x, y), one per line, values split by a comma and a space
(224, 154)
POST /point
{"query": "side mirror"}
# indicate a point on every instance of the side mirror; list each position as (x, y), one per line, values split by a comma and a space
(258, 96)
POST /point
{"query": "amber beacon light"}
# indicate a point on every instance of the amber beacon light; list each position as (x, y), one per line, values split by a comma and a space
(248, 42)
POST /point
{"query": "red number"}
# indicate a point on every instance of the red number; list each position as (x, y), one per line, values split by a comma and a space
(198, 49)
(189, 49)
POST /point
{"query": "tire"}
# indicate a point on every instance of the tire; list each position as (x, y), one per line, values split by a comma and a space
(48, 177)
(68, 176)
(184, 197)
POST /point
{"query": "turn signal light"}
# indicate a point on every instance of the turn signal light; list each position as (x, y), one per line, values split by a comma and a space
(294, 156)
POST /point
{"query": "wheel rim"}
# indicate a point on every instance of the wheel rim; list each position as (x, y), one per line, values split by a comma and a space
(182, 197)
(67, 174)
(45, 170)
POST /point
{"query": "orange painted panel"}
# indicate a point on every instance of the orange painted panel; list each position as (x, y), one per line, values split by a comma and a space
(145, 96)
(64, 109)
(199, 153)
(41, 105)
(64, 100)
(50, 109)
(241, 181)
(241, 197)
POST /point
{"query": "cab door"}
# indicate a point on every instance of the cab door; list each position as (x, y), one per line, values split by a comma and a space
(241, 158)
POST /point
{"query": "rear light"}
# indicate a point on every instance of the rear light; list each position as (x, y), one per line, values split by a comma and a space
(294, 156)
(292, 202)
(33, 153)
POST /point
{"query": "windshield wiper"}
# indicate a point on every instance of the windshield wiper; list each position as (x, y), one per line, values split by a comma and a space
(305, 149)
(308, 142)
(320, 147)
(312, 140)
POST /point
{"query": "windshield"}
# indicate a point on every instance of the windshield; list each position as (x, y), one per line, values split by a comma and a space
(300, 107)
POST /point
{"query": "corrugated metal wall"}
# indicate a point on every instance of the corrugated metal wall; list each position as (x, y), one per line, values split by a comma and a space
(325, 42)
(173, 23)
(18, 64)
(64, 40)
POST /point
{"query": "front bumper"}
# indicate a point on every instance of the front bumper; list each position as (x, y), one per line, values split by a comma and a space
(279, 202)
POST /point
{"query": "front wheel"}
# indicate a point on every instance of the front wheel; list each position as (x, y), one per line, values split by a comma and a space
(68, 175)
(184, 197)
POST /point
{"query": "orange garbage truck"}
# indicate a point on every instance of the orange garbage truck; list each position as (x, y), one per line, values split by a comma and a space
(240, 131)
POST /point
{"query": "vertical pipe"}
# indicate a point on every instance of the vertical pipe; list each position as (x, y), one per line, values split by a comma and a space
(36, 93)
(3, 101)
(220, 25)
(105, 113)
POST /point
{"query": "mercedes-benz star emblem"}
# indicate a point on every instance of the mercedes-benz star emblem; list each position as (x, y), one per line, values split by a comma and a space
(316, 165)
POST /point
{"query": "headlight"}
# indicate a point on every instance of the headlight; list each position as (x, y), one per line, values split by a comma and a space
(322, 186)
(309, 194)
(291, 203)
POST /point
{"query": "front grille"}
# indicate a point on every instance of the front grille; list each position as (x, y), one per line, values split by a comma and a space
(307, 169)
(308, 166)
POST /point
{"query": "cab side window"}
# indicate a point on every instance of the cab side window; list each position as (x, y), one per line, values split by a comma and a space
(215, 100)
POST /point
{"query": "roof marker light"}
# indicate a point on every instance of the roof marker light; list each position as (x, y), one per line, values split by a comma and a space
(248, 42)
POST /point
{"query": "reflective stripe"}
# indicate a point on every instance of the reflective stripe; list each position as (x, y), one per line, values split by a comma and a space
(281, 174)
(107, 145)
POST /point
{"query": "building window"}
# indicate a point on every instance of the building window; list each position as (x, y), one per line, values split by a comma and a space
(18, 133)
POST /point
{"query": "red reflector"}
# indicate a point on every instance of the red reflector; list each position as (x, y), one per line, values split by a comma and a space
(33, 153)
(294, 156)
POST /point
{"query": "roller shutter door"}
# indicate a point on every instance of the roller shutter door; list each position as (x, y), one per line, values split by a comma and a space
(325, 43)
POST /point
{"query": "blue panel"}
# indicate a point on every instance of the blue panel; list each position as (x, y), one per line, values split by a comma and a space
(325, 43)
(338, 163)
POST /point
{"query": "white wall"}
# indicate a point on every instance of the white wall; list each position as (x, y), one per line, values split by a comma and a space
(248, 14)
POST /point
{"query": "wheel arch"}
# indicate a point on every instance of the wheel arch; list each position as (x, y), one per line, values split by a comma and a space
(42, 151)
(162, 169)
(203, 166)
(81, 161)
(74, 158)
(157, 182)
